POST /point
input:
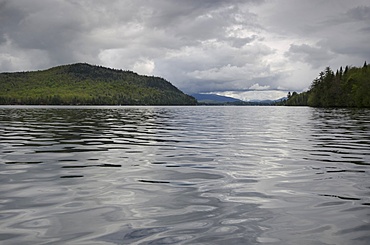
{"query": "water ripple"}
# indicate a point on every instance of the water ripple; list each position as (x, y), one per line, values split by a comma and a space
(184, 175)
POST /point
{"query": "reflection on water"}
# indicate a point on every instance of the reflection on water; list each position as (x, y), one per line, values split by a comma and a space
(184, 175)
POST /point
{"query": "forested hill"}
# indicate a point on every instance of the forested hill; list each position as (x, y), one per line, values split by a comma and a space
(348, 87)
(84, 84)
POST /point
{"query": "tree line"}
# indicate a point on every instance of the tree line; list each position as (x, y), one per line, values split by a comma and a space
(348, 87)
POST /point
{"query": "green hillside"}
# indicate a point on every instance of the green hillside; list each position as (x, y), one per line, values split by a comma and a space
(84, 84)
(348, 87)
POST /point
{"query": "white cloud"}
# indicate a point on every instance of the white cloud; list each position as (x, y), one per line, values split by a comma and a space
(256, 86)
(144, 67)
(255, 95)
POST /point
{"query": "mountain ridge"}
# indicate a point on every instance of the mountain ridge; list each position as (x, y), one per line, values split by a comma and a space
(213, 98)
(85, 84)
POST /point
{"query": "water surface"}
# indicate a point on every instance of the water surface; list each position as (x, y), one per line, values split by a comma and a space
(184, 175)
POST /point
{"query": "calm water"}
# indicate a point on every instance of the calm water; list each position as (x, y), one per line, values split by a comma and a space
(184, 175)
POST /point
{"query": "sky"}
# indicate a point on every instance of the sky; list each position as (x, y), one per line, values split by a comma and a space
(246, 49)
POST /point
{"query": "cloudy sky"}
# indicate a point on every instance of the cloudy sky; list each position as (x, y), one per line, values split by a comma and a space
(249, 49)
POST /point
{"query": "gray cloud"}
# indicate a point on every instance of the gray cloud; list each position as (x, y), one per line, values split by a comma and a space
(210, 45)
(315, 56)
(360, 13)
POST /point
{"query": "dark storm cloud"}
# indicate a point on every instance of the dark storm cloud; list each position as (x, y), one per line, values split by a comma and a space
(69, 31)
(208, 45)
(361, 13)
(54, 28)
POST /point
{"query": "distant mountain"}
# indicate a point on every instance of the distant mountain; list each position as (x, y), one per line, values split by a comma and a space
(214, 99)
(88, 85)
(218, 99)
(268, 102)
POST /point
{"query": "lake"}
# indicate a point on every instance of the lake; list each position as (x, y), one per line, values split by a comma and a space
(184, 175)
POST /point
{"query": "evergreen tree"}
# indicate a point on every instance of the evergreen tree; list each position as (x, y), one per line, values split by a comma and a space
(350, 88)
